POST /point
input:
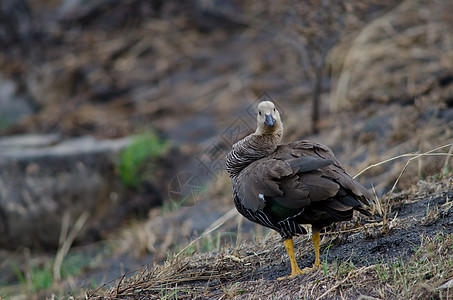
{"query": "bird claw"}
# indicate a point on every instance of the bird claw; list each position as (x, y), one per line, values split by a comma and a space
(298, 271)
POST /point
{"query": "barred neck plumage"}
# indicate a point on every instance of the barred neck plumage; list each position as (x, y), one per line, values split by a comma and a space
(250, 149)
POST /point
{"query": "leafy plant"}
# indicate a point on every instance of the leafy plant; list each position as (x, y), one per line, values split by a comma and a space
(37, 276)
(135, 159)
(34, 278)
(324, 263)
(423, 273)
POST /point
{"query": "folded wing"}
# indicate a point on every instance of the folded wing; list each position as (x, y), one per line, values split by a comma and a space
(296, 176)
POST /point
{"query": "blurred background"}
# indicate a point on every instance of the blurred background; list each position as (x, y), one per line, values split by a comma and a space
(116, 116)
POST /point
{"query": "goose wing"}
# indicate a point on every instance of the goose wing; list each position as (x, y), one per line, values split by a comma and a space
(335, 171)
(292, 183)
(295, 176)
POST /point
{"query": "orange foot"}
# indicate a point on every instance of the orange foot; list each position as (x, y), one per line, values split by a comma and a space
(298, 271)
(294, 267)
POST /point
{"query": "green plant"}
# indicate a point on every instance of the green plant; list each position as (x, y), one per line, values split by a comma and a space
(232, 291)
(74, 264)
(135, 160)
(180, 250)
(34, 278)
(382, 271)
(5, 122)
(345, 267)
(324, 263)
(169, 292)
(169, 206)
(36, 274)
(420, 276)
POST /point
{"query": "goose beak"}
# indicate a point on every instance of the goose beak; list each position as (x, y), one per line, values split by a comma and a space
(270, 121)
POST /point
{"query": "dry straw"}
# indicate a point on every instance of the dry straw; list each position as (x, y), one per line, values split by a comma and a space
(387, 208)
(66, 240)
(207, 274)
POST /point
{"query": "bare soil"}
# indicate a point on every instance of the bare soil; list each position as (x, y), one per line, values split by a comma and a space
(251, 270)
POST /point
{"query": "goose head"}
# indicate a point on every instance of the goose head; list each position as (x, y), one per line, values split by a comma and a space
(268, 119)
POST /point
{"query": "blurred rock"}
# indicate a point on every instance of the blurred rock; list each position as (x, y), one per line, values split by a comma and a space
(77, 9)
(43, 179)
(15, 22)
(28, 140)
(13, 107)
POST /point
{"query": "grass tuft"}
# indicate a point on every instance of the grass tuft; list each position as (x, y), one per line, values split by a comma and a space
(137, 159)
(420, 277)
(386, 205)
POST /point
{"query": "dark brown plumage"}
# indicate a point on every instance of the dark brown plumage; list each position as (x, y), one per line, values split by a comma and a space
(282, 186)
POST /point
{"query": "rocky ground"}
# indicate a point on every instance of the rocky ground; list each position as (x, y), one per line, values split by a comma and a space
(79, 79)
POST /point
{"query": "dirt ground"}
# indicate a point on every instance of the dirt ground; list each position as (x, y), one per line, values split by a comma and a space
(251, 270)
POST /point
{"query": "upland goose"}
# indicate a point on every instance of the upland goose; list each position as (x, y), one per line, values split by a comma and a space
(283, 185)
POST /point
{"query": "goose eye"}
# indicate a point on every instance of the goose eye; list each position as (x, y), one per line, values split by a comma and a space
(259, 113)
(274, 108)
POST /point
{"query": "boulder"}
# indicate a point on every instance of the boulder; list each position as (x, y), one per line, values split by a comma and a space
(44, 179)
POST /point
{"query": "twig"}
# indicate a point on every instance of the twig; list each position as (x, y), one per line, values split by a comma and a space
(92, 294)
(432, 152)
(64, 248)
(334, 287)
(219, 222)
(411, 155)
(447, 161)
(119, 284)
(344, 280)
(357, 229)
(429, 153)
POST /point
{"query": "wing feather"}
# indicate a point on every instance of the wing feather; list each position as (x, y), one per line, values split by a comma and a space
(296, 175)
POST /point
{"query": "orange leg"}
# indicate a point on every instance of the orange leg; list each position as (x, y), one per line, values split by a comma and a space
(294, 267)
(315, 239)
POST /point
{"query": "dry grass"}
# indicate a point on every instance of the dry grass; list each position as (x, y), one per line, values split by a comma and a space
(386, 209)
(383, 61)
(423, 274)
(66, 241)
(235, 271)
(229, 273)
(418, 278)
(205, 274)
(399, 50)
(389, 76)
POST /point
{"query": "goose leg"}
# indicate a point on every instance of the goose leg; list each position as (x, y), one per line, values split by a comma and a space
(294, 267)
(315, 239)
